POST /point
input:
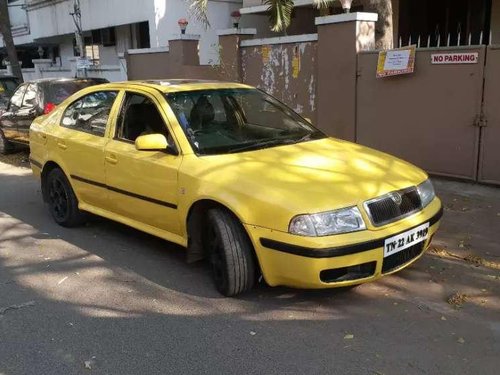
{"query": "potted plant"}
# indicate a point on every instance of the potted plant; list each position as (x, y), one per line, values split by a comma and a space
(183, 23)
(236, 15)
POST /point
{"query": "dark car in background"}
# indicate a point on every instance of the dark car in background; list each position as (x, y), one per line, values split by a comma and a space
(33, 99)
(8, 85)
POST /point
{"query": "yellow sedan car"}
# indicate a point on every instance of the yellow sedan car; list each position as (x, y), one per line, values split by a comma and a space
(234, 176)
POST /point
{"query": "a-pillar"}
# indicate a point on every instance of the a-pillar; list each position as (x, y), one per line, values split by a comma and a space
(340, 39)
(230, 67)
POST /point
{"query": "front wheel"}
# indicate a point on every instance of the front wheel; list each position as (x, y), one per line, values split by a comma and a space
(62, 201)
(231, 253)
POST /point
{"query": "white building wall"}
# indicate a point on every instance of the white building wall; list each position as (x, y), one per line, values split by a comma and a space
(66, 49)
(47, 21)
(17, 14)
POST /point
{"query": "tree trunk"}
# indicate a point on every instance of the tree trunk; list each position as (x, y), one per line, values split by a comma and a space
(384, 27)
(6, 32)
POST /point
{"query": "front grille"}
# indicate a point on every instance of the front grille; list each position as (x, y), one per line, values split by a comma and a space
(400, 259)
(390, 208)
(360, 271)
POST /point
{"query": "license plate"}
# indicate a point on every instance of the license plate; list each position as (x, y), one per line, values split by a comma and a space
(405, 240)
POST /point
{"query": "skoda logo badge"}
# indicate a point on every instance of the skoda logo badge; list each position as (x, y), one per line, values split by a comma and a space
(396, 198)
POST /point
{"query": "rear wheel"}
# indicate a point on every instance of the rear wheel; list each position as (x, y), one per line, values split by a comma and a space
(231, 253)
(6, 147)
(62, 201)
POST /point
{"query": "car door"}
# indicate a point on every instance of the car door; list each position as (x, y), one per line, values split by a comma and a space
(30, 109)
(79, 142)
(142, 184)
(8, 119)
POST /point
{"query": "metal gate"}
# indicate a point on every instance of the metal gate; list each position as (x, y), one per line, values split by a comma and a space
(489, 161)
(443, 118)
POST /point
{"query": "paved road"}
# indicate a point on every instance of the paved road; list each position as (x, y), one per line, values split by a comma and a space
(105, 299)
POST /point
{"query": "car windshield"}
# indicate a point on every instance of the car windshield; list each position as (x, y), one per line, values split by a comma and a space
(225, 121)
(58, 91)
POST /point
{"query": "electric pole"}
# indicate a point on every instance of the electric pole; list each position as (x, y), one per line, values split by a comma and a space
(77, 19)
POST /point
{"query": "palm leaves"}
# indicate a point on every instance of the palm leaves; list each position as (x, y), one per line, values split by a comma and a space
(199, 9)
(280, 11)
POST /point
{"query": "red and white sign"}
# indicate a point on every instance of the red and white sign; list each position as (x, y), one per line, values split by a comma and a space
(455, 58)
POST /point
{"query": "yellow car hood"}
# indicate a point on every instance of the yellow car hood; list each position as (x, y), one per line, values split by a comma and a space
(307, 177)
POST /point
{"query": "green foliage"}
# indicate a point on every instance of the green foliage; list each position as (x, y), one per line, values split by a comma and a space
(199, 9)
(280, 11)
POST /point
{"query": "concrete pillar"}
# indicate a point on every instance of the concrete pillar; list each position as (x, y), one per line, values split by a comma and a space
(184, 50)
(230, 67)
(340, 38)
(122, 61)
(72, 65)
(40, 65)
(8, 66)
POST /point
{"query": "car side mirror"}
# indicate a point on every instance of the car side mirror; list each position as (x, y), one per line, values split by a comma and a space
(154, 142)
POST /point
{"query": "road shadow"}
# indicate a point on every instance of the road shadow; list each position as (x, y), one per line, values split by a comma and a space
(126, 302)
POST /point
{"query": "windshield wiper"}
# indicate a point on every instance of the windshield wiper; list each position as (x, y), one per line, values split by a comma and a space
(309, 137)
(262, 144)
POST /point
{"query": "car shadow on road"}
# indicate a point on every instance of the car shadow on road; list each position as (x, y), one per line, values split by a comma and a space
(154, 259)
(144, 309)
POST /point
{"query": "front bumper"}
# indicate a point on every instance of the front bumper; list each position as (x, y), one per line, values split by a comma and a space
(337, 261)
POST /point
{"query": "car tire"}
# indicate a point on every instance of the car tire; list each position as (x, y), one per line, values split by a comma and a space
(63, 204)
(230, 253)
(6, 147)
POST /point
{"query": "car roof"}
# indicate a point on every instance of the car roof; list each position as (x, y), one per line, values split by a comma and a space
(49, 80)
(5, 77)
(177, 85)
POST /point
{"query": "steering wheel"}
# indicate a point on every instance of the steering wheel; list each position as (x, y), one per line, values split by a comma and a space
(207, 128)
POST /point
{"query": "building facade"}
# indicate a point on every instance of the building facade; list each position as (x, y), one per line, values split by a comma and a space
(45, 28)
(431, 21)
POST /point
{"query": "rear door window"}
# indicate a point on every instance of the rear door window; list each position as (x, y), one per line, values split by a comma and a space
(30, 97)
(17, 99)
(90, 114)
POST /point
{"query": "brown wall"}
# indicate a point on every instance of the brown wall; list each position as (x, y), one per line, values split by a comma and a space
(287, 71)
(180, 62)
(147, 66)
(427, 117)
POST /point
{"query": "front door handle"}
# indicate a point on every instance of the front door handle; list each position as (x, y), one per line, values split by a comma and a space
(111, 159)
(62, 145)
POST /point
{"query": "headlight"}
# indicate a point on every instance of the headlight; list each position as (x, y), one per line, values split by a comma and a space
(426, 192)
(328, 223)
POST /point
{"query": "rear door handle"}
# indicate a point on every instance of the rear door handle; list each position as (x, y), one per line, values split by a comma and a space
(111, 159)
(62, 145)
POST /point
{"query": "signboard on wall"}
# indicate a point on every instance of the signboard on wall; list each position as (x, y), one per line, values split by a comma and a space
(396, 62)
(266, 54)
(83, 63)
(455, 58)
